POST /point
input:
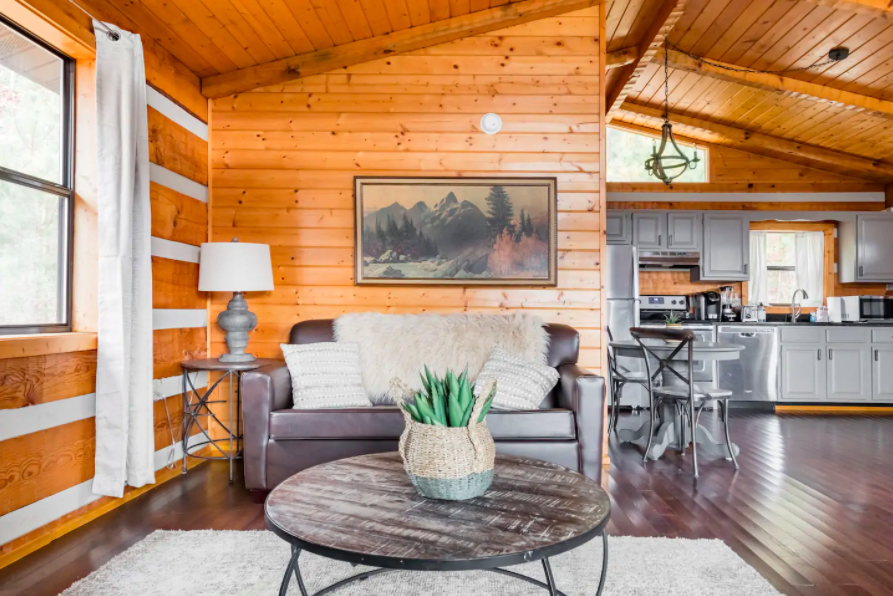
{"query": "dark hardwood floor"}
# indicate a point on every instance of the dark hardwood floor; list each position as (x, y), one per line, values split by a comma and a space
(811, 507)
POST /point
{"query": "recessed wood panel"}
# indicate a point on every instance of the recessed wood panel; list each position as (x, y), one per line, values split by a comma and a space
(177, 217)
(172, 346)
(175, 148)
(37, 380)
(40, 464)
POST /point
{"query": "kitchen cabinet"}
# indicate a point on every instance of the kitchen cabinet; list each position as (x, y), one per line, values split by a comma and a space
(803, 373)
(725, 255)
(650, 230)
(849, 372)
(866, 243)
(882, 373)
(684, 231)
(619, 227)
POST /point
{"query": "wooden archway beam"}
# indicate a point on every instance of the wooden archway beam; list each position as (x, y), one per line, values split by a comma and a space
(778, 84)
(382, 46)
(763, 144)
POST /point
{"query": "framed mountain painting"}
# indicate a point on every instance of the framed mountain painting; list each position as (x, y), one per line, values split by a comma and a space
(456, 231)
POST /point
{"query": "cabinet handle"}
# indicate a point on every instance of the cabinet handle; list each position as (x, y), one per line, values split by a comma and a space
(670, 242)
(745, 268)
(860, 270)
(819, 353)
(875, 355)
(830, 354)
(659, 239)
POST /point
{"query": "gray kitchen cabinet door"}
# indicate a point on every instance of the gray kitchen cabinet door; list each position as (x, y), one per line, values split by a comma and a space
(619, 227)
(802, 373)
(849, 372)
(650, 230)
(882, 374)
(684, 230)
(874, 237)
(726, 250)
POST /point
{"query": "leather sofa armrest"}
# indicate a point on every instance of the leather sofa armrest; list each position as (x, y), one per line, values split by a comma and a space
(583, 392)
(264, 390)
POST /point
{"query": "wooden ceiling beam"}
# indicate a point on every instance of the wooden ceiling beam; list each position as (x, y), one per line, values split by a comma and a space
(621, 57)
(778, 84)
(877, 8)
(382, 46)
(763, 144)
(620, 81)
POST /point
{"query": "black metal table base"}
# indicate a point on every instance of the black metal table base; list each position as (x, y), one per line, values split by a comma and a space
(549, 584)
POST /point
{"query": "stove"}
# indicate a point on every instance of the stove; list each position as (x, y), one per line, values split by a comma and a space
(656, 308)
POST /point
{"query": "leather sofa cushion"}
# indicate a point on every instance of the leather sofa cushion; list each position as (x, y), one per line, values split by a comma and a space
(386, 422)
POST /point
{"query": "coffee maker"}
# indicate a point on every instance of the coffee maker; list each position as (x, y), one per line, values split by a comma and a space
(707, 306)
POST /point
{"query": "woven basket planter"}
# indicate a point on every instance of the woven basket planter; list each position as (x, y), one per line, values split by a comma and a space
(451, 464)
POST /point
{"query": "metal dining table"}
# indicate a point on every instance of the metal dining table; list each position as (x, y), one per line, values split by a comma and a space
(669, 418)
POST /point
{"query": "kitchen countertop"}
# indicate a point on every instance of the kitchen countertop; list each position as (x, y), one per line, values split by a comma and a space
(886, 323)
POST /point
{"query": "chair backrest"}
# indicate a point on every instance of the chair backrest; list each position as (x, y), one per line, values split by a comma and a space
(664, 358)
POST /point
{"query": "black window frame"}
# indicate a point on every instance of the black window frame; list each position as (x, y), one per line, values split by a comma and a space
(65, 190)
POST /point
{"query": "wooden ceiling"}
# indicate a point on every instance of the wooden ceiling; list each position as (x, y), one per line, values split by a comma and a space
(838, 117)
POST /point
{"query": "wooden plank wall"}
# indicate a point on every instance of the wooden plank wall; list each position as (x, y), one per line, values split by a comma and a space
(284, 159)
(44, 463)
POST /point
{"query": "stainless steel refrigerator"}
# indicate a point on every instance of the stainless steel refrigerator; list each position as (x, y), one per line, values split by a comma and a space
(622, 294)
(622, 289)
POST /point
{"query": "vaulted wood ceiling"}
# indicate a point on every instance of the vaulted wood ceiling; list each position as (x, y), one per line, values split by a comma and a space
(838, 117)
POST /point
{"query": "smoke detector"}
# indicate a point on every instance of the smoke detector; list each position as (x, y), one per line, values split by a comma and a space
(491, 123)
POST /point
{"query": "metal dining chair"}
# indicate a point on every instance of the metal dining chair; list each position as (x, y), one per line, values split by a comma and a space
(618, 377)
(688, 398)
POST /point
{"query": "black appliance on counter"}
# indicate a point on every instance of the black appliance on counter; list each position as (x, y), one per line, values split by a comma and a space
(707, 306)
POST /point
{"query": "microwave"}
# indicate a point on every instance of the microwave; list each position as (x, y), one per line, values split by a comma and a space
(860, 308)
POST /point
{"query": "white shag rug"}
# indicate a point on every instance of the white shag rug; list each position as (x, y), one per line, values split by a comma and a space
(215, 563)
(401, 345)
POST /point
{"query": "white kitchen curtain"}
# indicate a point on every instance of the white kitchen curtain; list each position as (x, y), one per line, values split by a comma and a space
(124, 421)
(758, 284)
(810, 259)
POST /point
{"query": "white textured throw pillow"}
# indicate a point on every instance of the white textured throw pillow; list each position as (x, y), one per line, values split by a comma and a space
(325, 375)
(520, 385)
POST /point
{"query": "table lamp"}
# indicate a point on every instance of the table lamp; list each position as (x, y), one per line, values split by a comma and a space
(236, 267)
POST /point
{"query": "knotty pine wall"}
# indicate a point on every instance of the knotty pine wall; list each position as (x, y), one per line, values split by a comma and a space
(48, 386)
(284, 159)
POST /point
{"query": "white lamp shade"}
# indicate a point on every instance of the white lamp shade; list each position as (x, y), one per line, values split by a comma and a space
(235, 267)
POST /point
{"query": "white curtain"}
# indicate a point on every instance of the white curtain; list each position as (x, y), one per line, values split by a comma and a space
(124, 421)
(758, 285)
(810, 258)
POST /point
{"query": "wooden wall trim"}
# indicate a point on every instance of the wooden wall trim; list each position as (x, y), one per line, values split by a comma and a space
(19, 346)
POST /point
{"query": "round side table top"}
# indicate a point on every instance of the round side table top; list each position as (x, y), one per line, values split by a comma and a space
(215, 364)
(364, 510)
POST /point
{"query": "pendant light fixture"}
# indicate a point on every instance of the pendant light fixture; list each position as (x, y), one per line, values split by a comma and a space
(668, 162)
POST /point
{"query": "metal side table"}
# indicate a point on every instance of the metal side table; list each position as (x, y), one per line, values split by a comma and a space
(196, 405)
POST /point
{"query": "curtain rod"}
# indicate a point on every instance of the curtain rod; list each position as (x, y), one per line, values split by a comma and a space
(113, 35)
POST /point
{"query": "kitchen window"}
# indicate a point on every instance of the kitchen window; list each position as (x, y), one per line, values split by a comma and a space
(36, 184)
(782, 262)
(627, 152)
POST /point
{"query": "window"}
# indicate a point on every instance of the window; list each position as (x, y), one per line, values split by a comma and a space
(627, 152)
(783, 262)
(36, 184)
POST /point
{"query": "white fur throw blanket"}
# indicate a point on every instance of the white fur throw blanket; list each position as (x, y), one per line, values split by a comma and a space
(401, 345)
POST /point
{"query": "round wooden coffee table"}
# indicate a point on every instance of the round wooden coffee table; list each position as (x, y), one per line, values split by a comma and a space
(364, 511)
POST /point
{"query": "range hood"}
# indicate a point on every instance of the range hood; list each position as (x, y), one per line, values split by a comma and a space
(666, 260)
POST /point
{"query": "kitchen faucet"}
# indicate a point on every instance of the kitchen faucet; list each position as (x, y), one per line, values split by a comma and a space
(795, 306)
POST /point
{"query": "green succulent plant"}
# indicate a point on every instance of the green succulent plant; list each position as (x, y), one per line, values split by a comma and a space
(446, 401)
(672, 318)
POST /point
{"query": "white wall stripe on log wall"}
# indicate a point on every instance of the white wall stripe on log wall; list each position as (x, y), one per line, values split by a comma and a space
(177, 182)
(168, 386)
(747, 197)
(177, 251)
(170, 109)
(39, 513)
(179, 318)
(17, 422)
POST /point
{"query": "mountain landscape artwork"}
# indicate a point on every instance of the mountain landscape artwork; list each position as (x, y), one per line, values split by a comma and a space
(457, 231)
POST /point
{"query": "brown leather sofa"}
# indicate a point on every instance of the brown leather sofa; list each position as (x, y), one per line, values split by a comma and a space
(280, 441)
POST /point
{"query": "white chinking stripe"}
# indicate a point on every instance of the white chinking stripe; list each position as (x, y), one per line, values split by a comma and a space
(176, 113)
(177, 251)
(168, 386)
(40, 513)
(179, 318)
(748, 197)
(175, 181)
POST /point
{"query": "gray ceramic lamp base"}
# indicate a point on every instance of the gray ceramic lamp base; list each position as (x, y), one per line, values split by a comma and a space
(237, 321)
